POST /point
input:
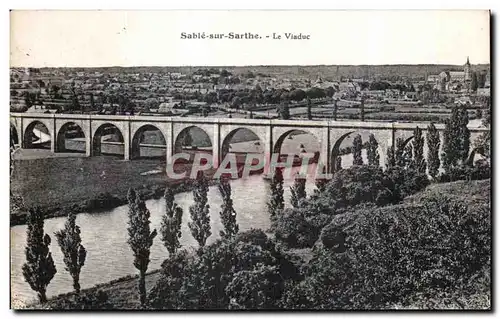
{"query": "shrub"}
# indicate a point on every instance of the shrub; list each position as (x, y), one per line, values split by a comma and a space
(102, 201)
(169, 291)
(363, 186)
(406, 181)
(481, 170)
(221, 275)
(254, 237)
(296, 230)
(93, 300)
(394, 251)
(360, 184)
(253, 289)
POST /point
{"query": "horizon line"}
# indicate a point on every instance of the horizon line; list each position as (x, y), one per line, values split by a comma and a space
(241, 66)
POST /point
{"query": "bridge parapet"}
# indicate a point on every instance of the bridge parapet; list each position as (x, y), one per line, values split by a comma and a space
(329, 134)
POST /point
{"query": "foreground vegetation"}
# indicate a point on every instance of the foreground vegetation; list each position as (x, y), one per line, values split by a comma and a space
(442, 272)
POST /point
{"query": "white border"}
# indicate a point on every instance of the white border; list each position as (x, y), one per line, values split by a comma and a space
(190, 4)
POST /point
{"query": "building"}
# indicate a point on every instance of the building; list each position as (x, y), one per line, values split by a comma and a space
(448, 81)
(483, 92)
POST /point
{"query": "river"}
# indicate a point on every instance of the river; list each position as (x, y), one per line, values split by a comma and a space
(104, 235)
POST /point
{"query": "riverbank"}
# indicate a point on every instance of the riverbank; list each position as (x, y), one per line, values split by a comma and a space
(123, 293)
(83, 184)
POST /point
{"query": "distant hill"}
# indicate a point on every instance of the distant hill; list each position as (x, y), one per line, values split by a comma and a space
(333, 72)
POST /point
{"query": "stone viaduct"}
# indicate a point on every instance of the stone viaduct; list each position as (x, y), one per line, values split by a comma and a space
(271, 133)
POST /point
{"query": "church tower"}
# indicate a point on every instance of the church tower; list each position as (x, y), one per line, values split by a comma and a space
(467, 75)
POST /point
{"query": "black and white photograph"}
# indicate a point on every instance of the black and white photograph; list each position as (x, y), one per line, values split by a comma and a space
(250, 160)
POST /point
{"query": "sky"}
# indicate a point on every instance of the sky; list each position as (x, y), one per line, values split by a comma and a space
(153, 38)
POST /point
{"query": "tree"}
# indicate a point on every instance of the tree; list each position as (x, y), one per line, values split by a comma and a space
(227, 214)
(252, 289)
(200, 211)
(316, 93)
(298, 191)
(140, 238)
(407, 161)
(463, 135)
(39, 268)
(357, 147)
(372, 151)
(72, 249)
(338, 163)
(75, 103)
(330, 91)
(321, 182)
(276, 202)
(481, 79)
(92, 102)
(399, 152)
(474, 82)
(28, 100)
(482, 144)
(456, 139)
(171, 223)
(449, 154)
(479, 114)
(418, 151)
(187, 140)
(236, 103)
(335, 109)
(390, 160)
(433, 143)
(284, 111)
(362, 109)
(309, 113)
(225, 274)
(297, 95)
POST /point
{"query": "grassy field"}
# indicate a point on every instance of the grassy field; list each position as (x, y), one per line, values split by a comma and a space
(69, 180)
(58, 185)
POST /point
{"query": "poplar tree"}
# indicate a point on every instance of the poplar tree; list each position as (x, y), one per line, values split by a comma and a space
(276, 202)
(433, 143)
(482, 143)
(321, 182)
(408, 156)
(39, 268)
(372, 151)
(418, 151)
(338, 163)
(200, 211)
(456, 139)
(227, 214)
(362, 109)
(171, 223)
(74, 253)
(463, 135)
(309, 112)
(399, 152)
(298, 191)
(335, 108)
(390, 160)
(140, 238)
(451, 140)
(284, 111)
(357, 147)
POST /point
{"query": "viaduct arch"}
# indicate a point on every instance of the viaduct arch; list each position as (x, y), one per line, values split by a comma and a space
(270, 133)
